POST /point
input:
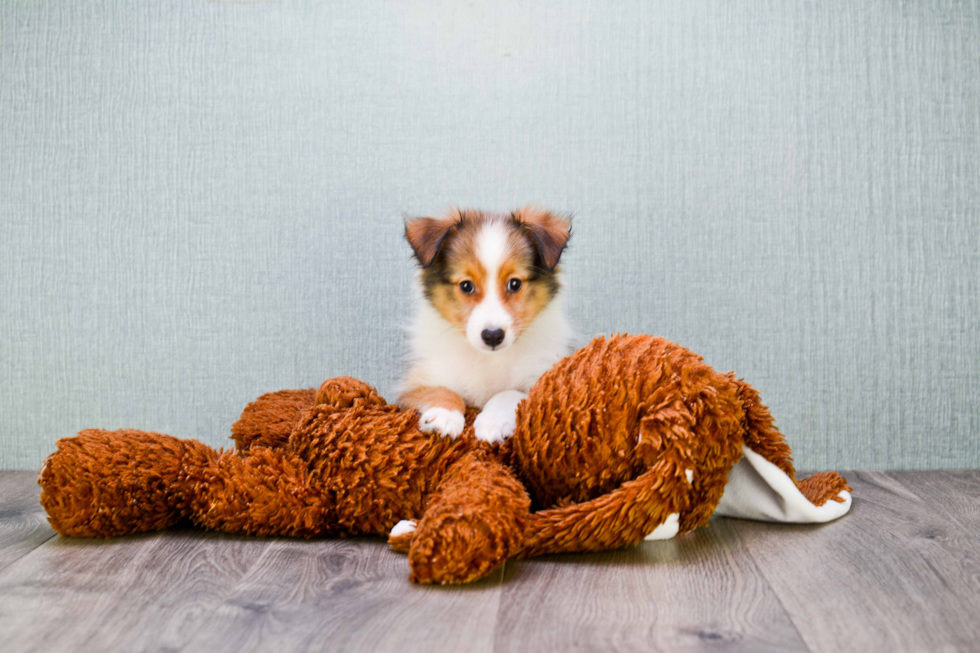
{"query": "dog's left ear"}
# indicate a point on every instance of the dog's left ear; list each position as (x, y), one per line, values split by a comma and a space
(425, 235)
(550, 233)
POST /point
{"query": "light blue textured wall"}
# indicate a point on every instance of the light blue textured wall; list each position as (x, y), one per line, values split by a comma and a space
(200, 202)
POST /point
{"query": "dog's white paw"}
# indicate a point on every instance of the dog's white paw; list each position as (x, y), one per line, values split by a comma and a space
(442, 421)
(499, 417)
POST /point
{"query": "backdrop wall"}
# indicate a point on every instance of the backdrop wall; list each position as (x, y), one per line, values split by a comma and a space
(200, 202)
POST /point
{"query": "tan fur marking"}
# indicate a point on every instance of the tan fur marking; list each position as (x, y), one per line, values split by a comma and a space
(423, 398)
(550, 231)
(526, 303)
(461, 264)
(426, 236)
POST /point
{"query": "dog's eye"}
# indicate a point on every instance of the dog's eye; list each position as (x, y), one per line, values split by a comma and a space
(467, 287)
(514, 285)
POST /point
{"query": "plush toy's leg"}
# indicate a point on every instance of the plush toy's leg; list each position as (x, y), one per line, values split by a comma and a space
(262, 492)
(648, 507)
(103, 484)
(473, 523)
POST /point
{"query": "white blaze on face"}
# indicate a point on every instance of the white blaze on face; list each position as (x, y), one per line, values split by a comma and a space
(490, 313)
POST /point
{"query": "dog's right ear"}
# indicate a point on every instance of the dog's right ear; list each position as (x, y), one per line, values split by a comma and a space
(426, 236)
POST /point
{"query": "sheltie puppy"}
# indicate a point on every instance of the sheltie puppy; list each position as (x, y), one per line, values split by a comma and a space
(489, 318)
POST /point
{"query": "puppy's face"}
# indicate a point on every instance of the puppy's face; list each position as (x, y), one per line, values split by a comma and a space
(489, 275)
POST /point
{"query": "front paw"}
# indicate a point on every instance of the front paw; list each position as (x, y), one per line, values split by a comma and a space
(442, 421)
(499, 417)
(495, 425)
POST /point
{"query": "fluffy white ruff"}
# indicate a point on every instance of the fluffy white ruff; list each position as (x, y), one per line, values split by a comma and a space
(759, 490)
(442, 356)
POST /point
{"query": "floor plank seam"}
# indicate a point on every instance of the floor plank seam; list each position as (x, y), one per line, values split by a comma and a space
(951, 517)
(12, 563)
(225, 598)
(495, 645)
(779, 599)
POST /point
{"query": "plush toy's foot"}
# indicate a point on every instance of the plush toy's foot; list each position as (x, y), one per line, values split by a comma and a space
(666, 530)
(758, 489)
(823, 487)
(104, 484)
(401, 536)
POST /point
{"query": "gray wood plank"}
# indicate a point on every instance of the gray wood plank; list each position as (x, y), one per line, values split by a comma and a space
(955, 494)
(899, 573)
(348, 595)
(700, 592)
(23, 525)
(142, 593)
(893, 575)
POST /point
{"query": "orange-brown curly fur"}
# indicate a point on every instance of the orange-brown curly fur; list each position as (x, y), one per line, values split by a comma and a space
(598, 460)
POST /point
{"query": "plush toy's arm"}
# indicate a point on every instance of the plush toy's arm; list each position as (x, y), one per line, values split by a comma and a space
(264, 491)
(269, 420)
(646, 507)
(472, 524)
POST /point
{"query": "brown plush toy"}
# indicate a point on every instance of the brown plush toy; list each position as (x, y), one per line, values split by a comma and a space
(629, 438)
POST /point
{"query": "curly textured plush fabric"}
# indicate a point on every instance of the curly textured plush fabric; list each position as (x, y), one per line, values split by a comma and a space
(615, 441)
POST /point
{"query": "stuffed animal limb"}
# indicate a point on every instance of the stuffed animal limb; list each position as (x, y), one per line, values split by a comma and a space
(475, 521)
(104, 484)
(602, 523)
(111, 483)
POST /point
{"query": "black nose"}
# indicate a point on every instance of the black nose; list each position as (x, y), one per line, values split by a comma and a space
(492, 337)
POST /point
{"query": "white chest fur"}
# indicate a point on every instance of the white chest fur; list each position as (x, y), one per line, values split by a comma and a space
(441, 355)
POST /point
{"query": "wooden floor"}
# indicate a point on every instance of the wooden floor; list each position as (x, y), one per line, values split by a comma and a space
(901, 572)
